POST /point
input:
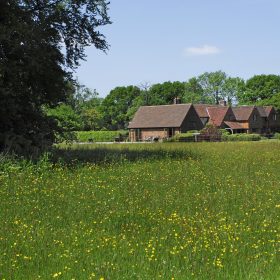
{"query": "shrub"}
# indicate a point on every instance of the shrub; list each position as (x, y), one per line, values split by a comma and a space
(182, 137)
(241, 137)
(276, 136)
(224, 131)
(210, 133)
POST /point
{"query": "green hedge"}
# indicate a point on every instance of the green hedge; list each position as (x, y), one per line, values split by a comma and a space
(100, 136)
(241, 137)
(188, 136)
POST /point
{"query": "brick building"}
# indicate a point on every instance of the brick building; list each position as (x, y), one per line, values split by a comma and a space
(163, 121)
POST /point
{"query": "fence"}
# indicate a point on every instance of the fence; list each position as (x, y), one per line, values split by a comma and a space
(201, 138)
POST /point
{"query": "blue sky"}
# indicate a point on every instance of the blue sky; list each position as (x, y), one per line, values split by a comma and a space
(159, 40)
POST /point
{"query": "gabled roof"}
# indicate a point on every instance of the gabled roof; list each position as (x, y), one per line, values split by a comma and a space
(243, 113)
(160, 116)
(235, 125)
(217, 114)
(201, 109)
(268, 110)
(262, 111)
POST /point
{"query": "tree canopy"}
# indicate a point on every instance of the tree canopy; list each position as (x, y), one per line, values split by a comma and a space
(260, 88)
(212, 84)
(116, 104)
(41, 43)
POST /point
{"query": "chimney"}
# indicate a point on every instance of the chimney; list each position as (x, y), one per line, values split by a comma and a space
(222, 102)
(177, 100)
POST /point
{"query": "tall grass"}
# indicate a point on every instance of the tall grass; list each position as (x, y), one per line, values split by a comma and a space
(158, 211)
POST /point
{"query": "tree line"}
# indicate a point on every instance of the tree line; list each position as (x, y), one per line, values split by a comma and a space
(85, 110)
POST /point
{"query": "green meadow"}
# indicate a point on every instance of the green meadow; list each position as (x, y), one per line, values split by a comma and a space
(143, 211)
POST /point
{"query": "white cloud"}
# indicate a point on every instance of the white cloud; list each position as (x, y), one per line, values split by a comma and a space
(204, 50)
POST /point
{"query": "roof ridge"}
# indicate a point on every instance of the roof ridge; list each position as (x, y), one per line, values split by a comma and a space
(189, 104)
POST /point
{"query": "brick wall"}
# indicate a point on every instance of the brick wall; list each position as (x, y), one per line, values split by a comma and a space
(153, 132)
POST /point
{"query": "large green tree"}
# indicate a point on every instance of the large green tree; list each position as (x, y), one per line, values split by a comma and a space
(232, 88)
(41, 43)
(116, 105)
(260, 88)
(212, 84)
(194, 92)
(162, 94)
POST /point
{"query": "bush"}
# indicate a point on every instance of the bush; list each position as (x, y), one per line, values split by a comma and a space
(182, 137)
(241, 137)
(100, 136)
(276, 136)
(224, 131)
(210, 133)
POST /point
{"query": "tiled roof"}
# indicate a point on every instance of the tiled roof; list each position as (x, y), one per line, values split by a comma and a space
(160, 116)
(262, 111)
(201, 109)
(268, 110)
(217, 115)
(243, 113)
(234, 125)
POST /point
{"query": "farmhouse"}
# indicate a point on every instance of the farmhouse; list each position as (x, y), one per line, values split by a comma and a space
(270, 120)
(163, 121)
(258, 119)
(216, 115)
(241, 119)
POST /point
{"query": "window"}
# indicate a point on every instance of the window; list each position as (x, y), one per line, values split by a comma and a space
(254, 118)
(274, 117)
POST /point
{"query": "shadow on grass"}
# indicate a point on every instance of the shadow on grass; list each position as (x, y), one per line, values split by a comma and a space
(105, 155)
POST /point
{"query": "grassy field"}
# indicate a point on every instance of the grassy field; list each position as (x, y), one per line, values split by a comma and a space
(150, 211)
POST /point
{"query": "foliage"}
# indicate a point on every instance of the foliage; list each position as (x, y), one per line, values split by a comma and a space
(224, 131)
(203, 214)
(100, 136)
(66, 117)
(212, 84)
(162, 94)
(241, 137)
(116, 105)
(272, 101)
(92, 118)
(194, 92)
(67, 120)
(35, 69)
(260, 88)
(211, 133)
(232, 88)
(183, 137)
(276, 136)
